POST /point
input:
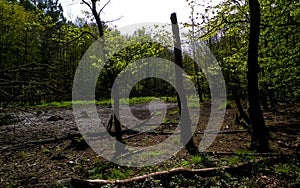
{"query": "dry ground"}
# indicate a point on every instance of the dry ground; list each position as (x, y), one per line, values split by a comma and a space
(36, 152)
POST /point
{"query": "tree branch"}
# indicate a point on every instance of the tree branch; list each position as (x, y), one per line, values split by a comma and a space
(83, 33)
(206, 172)
(112, 20)
(87, 4)
(103, 7)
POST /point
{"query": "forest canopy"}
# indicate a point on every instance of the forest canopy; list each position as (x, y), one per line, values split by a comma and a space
(40, 51)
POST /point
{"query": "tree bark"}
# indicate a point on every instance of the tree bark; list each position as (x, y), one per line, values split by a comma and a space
(186, 132)
(97, 18)
(237, 101)
(260, 134)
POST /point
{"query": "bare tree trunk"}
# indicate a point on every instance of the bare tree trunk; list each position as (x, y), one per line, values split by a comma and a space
(237, 101)
(97, 18)
(118, 132)
(260, 134)
(186, 131)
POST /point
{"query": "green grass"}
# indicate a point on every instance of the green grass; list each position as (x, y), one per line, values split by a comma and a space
(242, 156)
(175, 112)
(24, 154)
(117, 174)
(158, 113)
(109, 171)
(198, 159)
(227, 105)
(283, 168)
(185, 164)
(45, 150)
(133, 100)
(170, 99)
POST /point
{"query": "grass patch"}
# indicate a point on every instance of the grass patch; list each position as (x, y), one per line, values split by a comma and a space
(242, 156)
(23, 154)
(109, 171)
(198, 159)
(227, 105)
(158, 113)
(117, 173)
(169, 99)
(133, 100)
(175, 112)
(283, 168)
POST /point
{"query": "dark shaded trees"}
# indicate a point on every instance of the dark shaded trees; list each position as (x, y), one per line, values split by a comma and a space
(260, 134)
(37, 55)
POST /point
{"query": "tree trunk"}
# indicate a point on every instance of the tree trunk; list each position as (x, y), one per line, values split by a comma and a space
(237, 101)
(97, 18)
(118, 131)
(264, 97)
(260, 134)
(186, 131)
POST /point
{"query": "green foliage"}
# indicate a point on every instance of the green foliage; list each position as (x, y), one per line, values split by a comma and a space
(169, 99)
(23, 154)
(138, 100)
(199, 159)
(245, 154)
(175, 112)
(185, 164)
(165, 120)
(228, 26)
(119, 174)
(242, 156)
(45, 150)
(228, 105)
(157, 113)
(40, 51)
(298, 176)
(96, 172)
(234, 160)
(108, 171)
(283, 168)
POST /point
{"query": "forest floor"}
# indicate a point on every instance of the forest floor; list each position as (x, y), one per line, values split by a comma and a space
(43, 149)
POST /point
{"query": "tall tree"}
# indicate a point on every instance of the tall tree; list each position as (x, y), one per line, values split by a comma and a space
(96, 13)
(259, 131)
(186, 132)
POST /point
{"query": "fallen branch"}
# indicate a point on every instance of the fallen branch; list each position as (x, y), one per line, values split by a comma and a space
(206, 172)
(228, 132)
(176, 133)
(39, 142)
